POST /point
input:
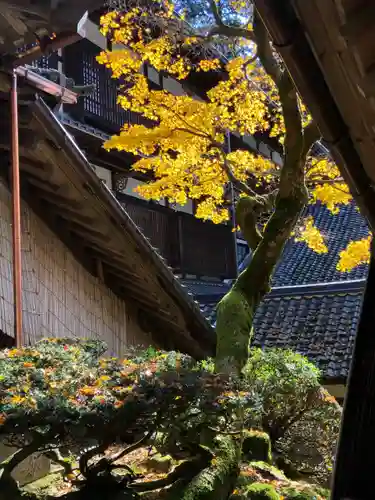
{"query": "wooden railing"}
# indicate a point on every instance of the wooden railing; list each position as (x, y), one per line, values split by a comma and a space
(100, 109)
(189, 245)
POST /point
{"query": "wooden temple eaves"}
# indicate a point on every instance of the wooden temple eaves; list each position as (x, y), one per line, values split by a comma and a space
(328, 47)
(62, 188)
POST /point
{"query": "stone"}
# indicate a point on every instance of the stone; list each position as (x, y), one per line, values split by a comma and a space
(33, 468)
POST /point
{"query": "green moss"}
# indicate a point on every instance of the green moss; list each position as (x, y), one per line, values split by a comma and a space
(261, 491)
(233, 332)
(216, 481)
(297, 492)
(257, 446)
(268, 471)
(158, 463)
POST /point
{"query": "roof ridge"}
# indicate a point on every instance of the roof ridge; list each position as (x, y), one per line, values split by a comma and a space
(311, 289)
(331, 287)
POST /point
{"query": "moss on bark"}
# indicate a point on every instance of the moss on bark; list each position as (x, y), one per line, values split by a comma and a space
(215, 482)
(236, 310)
(261, 491)
(256, 446)
(233, 332)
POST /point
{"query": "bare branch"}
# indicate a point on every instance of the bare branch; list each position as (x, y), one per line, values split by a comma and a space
(216, 13)
(240, 185)
(229, 31)
(232, 32)
(264, 49)
(132, 447)
(311, 135)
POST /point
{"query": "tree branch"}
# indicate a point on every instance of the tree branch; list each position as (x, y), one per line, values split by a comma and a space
(187, 470)
(311, 135)
(264, 49)
(88, 455)
(292, 193)
(216, 13)
(132, 447)
(241, 186)
(246, 215)
(57, 457)
(222, 29)
(292, 172)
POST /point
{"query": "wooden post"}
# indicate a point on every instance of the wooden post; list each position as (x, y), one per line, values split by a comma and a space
(353, 475)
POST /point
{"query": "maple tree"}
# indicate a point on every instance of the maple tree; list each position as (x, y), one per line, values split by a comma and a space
(185, 147)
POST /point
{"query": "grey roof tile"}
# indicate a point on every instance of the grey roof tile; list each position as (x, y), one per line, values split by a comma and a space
(320, 325)
(321, 328)
(300, 265)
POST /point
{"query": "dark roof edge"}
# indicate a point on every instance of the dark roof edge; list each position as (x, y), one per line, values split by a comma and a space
(313, 290)
(337, 380)
(289, 37)
(195, 319)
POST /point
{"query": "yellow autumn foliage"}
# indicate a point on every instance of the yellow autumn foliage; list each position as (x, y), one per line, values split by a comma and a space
(184, 145)
(356, 253)
(311, 235)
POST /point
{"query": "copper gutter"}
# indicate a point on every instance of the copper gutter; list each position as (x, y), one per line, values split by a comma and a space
(16, 222)
(47, 86)
(66, 96)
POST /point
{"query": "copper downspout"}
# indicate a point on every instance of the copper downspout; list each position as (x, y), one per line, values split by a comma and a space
(16, 226)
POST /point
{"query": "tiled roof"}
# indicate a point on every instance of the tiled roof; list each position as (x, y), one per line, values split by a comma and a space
(320, 327)
(201, 288)
(312, 308)
(300, 265)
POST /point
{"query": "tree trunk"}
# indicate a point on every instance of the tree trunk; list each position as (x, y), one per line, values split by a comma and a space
(215, 482)
(236, 310)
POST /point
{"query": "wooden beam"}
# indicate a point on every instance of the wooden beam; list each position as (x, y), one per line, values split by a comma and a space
(42, 184)
(59, 200)
(88, 233)
(126, 281)
(66, 213)
(57, 226)
(28, 139)
(114, 258)
(120, 268)
(41, 171)
(136, 295)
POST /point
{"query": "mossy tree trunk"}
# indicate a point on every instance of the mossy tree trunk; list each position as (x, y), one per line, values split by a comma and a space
(236, 310)
(217, 480)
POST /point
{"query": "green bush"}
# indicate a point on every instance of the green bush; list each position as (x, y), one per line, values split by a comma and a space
(301, 417)
(64, 393)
